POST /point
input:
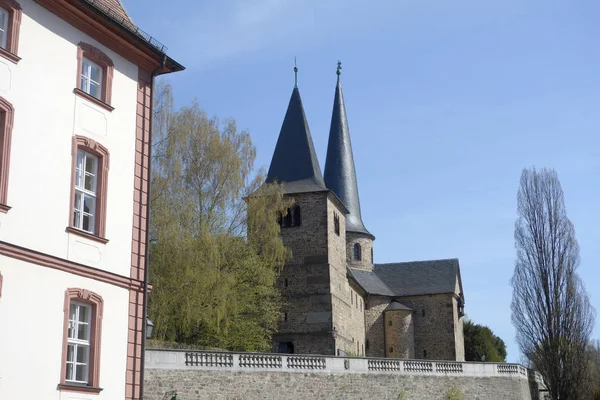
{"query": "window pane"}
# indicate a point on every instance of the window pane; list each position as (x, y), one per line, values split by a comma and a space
(83, 313)
(95, 90)
(70, 352)
(96, 74)
(77, 219)
(85, 68)
(72, 312)
(79, 168)
(89, 204)
(90, 183)
(3, 27)
(78, 196)
(82, 332)
(69, 376)
(82, 354)
(90, 164)
(83, 84)
(87, 223)
(80, 373)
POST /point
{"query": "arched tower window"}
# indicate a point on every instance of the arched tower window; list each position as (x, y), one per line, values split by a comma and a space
(372, 256)
(297, 216)
(357, 252)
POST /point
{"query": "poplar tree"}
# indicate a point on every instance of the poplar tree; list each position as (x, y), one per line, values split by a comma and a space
(550, 306)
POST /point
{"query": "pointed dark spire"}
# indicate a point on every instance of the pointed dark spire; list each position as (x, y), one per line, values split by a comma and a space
(294, 161)
(340, 174)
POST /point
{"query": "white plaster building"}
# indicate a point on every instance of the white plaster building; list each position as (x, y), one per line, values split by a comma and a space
(75, 104)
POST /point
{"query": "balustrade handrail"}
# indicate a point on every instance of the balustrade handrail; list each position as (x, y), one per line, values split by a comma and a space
(205, 359)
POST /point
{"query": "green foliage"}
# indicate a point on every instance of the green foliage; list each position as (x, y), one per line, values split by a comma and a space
(593, 351)
(480, 341)
(454, 393)
(215, 251)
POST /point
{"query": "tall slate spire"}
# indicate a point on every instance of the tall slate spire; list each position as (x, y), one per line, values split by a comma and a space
(294, 161)
(340, 174)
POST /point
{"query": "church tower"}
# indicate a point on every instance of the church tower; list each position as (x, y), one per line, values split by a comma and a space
(322, 314)
(340, 178)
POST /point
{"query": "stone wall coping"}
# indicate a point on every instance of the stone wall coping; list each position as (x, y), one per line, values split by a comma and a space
(175, 359)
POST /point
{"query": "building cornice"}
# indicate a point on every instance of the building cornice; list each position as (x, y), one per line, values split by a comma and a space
(47, 260)
(102, 28)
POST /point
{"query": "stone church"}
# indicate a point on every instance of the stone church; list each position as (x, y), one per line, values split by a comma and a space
(337, 301)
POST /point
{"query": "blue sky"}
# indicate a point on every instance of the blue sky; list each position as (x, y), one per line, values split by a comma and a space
(447, 102)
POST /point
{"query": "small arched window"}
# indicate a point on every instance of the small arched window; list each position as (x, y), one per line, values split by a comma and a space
(357, 252)
(372, 256)
(287, 220)
(297, 216)
(336, 224)
(424, 353)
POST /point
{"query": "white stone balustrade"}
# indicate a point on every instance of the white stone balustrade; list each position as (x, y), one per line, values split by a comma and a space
(306, 362)
(449, 367)
(248, 362)
(384, 365)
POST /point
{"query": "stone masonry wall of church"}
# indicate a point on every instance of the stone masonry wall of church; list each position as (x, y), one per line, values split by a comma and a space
(366, 246)
(304, 281)
(308, 242)
(374, 326)
(347, 305)
(434, 326)
(348, 316)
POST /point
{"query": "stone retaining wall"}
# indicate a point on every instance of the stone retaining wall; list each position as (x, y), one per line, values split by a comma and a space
(228, 376)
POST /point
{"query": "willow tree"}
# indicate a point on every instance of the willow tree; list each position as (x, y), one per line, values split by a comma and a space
(215, 247)
(550, 307)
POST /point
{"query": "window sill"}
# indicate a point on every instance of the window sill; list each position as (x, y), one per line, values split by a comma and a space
(4, 208)
(73, 387)
(86, 235)
(9, 56)
(94, 100)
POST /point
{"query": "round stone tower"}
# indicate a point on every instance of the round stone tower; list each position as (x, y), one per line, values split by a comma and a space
(399, 331)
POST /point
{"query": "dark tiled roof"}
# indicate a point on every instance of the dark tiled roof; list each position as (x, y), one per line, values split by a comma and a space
(294, 160)
(340, 174)
(394, 305)
(409, 278)
(116, 7)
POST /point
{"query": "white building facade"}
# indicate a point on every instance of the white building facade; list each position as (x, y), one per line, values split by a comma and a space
(75, 118)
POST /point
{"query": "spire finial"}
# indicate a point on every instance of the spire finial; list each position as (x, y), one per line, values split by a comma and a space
(339, 69)
(295, 73)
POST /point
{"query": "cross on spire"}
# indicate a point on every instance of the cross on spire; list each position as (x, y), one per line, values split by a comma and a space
(339, 69)
(295, 73)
